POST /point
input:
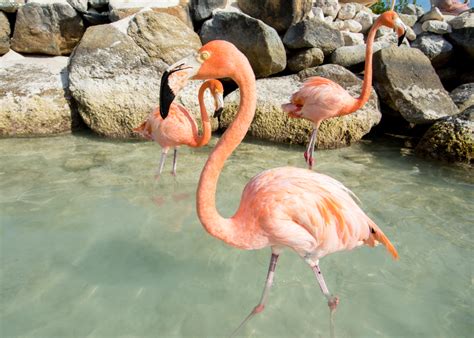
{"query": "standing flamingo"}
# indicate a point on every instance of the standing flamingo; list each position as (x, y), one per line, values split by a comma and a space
(320, 99)
(180, 127)
(311, 213)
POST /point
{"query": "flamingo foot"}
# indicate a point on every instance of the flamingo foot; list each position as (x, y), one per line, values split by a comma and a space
(309, 160)
(333, 301)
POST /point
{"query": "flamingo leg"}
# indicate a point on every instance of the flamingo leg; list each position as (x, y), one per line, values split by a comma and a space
(263, 300)
(309, 154)
(332, 300)
(175, 161)
(162, 164)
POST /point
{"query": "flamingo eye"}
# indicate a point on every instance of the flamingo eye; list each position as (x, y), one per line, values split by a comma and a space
(203, 56)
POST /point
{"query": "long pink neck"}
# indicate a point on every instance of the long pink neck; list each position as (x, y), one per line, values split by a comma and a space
(367, 85)
(213, 222)
(206, 123)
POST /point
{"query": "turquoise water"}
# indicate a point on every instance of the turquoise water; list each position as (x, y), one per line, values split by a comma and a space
(92, 246)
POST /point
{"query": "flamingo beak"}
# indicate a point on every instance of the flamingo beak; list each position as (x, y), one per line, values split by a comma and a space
(219, 101)
(401, 30)
(174, 79)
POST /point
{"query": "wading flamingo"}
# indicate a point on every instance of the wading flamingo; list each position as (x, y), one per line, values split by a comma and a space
(311, 213)
(320, 99)
(180, 127)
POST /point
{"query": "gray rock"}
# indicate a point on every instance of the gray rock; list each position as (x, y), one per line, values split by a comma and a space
(463, 33)
(11, 6)
(329, 7)
(258, 41)
(305, 59)
(313, 33)
(34, 96)
(435, 47)
(437, 27)
(352, 55)
(412, 9)
(353, 39)
(433, 14)
(365, 19)
(407, 82)
(347, 11)
(271, 123)
(450, 140)
(80, 4)
(276, 13)
(318, 13)
(408, 20)
(4, 34)
(202, 9)
(163, 36)
(463, 96)
(353, 26)
(47, 29)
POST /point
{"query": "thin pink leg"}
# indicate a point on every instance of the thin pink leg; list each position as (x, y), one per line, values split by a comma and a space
(333, 301)
(261, 305)
(175, 161)
(162, 164)
(309, 154)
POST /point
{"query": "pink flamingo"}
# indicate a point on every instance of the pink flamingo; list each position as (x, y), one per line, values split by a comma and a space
(180, 127)
(320, 99)
(311, 213)
(453, 7)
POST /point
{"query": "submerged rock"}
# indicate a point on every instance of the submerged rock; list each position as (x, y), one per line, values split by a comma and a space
(450, 140)
(271, 123)
(407, 82)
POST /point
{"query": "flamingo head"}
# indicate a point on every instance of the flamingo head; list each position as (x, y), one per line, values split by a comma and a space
(213, 60)
(217, 91)
(391, 19)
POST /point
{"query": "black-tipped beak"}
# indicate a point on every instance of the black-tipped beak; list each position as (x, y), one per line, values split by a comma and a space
(166, 95)
(401, 38)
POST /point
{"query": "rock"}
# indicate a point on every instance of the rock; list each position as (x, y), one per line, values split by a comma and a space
(113, 80)
(47, 29)
(34, 96)
(387, 35)
(81, 4)
(463, 33)
(305, 59)
(337, 25)
(407, 82)
(4, 34)
(258, 41)
(163, 36)
(365, 19)
(202, 9)
(98, 3)
(463, 96)
(313, 33)
(348, 56)
(408, 20)
(437, 27)
(11, 6)
(417, 28)
(410, 34)
(329, 7)
(352, 26)
(120, 9)
(450, 140)
(318, 13)
(347, 11)
(271, 123)
(435, 47)
(412, 9)
(353, 39)
(278, 14)
(433, 14)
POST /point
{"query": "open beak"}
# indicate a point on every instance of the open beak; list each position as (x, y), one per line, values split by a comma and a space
(219, 102)
(174, 79)
(401, 30)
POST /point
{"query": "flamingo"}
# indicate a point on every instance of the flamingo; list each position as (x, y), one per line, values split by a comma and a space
(320, 99)
(180, 127)
(310, 213)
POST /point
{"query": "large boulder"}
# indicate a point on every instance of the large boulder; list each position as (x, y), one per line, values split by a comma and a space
(11, 6)
(450, 140)
(271, 123)
(4, 34)
(259, 42)
(115, 76)
(348, 56)
(463, 96)
(305, 58)
(34, 96)
(47, 29)
(279, 14)
(407, 82)
(313, 33)
(435, 47)
(463, 33)
(202, 9)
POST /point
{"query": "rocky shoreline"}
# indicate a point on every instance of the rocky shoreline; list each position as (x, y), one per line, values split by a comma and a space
(97, 64)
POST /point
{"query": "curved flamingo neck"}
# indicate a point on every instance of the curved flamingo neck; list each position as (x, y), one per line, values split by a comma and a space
(206, 123)
(213, 222)
(367, 84)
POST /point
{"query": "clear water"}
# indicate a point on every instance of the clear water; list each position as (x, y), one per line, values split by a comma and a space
(91, 246)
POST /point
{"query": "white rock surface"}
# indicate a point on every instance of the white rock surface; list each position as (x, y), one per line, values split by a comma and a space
(352, 26)
(352, 39)
(329, 7)
(347, 11)
(365, 19)
(437, 27)
(433, 14)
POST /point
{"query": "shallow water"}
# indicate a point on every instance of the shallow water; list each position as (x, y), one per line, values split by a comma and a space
(92, 246)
